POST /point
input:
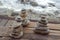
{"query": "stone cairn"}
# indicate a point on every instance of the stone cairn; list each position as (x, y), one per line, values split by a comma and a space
(21, 20)
(42, 26)
(17, 32)
(25, 20)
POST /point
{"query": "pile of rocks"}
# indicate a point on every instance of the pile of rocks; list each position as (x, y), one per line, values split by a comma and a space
(42, 26)
(17, 32)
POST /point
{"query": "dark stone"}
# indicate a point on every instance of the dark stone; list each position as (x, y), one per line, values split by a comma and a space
(17, 32)
(14, 14)
(42, 27)
(33, 3)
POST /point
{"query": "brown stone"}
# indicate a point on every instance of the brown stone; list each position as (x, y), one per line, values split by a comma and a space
(17, 32)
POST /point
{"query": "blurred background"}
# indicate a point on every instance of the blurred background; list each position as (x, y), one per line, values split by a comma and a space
(35, 8)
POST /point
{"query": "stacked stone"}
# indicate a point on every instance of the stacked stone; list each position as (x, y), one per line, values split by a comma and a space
(17, 32)
(25, 20)
(42, 26)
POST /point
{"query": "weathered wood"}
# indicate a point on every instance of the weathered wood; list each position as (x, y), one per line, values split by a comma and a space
(5, 31)
(29, 32)
(28, 29)
(3, 22)
(6, 17)
(54, 26)
(10, 23)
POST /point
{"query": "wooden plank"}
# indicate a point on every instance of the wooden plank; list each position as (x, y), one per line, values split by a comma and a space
(54, 26)
(32, 24)
(31, 30)
(50, 26)
(53, 32)
(26, 29)
(40, 37)
(6, 22)
(5, 31)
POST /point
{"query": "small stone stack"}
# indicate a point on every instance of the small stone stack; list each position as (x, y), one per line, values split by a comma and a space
(17, 32)
(42, 26)
(24, 18)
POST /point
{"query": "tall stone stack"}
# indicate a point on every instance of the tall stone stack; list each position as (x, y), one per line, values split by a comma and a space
(42, 26)
(25, 20)
(17, 31)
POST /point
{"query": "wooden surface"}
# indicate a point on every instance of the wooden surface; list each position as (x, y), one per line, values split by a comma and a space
(7, 25)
